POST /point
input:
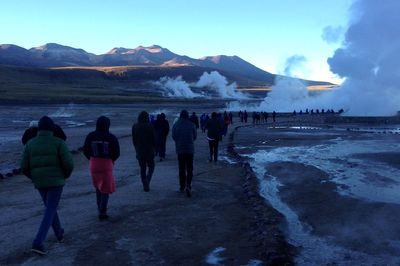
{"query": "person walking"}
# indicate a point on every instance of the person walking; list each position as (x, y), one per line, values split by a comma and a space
(273, 116)
(101, 148)
(213, 127)
(161, 128)
(48, 163)
(144, 141)
(230, 118)
(226, 123)
(184, 134)
(194, 119)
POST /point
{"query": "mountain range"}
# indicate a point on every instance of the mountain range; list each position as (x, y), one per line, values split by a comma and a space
(55, 55)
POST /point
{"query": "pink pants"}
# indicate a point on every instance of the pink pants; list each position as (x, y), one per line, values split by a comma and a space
(102, 174)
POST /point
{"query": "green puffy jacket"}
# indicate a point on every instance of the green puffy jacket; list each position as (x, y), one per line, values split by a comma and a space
(47, 160)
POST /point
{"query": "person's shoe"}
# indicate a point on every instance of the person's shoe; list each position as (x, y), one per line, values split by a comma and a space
(188, 192)
(39, 250)
(103, 217)
(60, 238)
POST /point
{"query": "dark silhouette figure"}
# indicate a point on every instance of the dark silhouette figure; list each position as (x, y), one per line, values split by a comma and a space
(144, 141)
(184, 134)
(213, 127)
(274, 116)
(194, 119)
(161, 128)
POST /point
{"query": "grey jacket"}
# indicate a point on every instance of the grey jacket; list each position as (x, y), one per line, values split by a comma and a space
(184, 134)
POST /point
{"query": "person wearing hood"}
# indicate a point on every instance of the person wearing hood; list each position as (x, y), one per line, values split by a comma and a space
(144, 141)
(101, 148)
(213, 127)
(161, 127)
(184, 134)
(31, 132)
(48, 163)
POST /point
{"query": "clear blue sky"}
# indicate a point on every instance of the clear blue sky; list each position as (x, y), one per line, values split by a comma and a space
(263, 32)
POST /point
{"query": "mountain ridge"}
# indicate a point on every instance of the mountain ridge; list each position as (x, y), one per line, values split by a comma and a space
(57, 55)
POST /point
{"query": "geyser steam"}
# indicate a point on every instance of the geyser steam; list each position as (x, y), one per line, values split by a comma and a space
(215, 80)
(290, 93)
(370, 59)
(176, 87)
(369, 62)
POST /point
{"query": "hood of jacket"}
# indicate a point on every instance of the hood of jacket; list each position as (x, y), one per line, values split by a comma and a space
(103, 124)
(143, 117)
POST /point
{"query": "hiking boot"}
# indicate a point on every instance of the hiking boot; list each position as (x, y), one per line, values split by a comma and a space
(39, 250)
(188, 192)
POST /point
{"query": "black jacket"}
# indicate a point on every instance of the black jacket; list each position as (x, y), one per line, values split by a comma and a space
(31, 132)
(214, 128)
(143, 138)
(161, 127)
(195, 120)
(101, 143)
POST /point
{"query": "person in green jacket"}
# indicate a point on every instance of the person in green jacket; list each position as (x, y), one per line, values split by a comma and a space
(47, 162)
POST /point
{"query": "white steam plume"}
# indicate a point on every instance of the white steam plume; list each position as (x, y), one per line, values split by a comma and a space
(332, 34)
(369, 62)
(215, 80)
(370, 59)
(290, 93)
(176, 87)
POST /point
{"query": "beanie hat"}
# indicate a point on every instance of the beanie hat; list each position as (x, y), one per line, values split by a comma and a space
(184, 114)
(45, 123)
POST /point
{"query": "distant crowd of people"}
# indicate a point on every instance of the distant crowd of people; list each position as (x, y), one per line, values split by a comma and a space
(48, 163)
(257, 117)
(317, 111)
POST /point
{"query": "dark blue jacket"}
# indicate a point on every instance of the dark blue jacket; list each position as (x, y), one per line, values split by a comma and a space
(184, 134)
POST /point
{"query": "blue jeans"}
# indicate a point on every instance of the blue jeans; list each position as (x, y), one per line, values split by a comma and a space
(102, 202)
(51, 197)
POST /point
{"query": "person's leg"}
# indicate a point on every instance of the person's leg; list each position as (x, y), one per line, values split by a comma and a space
(215, 144)
(51, 198)
(211, 148)
(163, 148)
(151, 166)
(143, 166)
(103, 204)
(98, 199)
(182, 172)
(189, 169)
